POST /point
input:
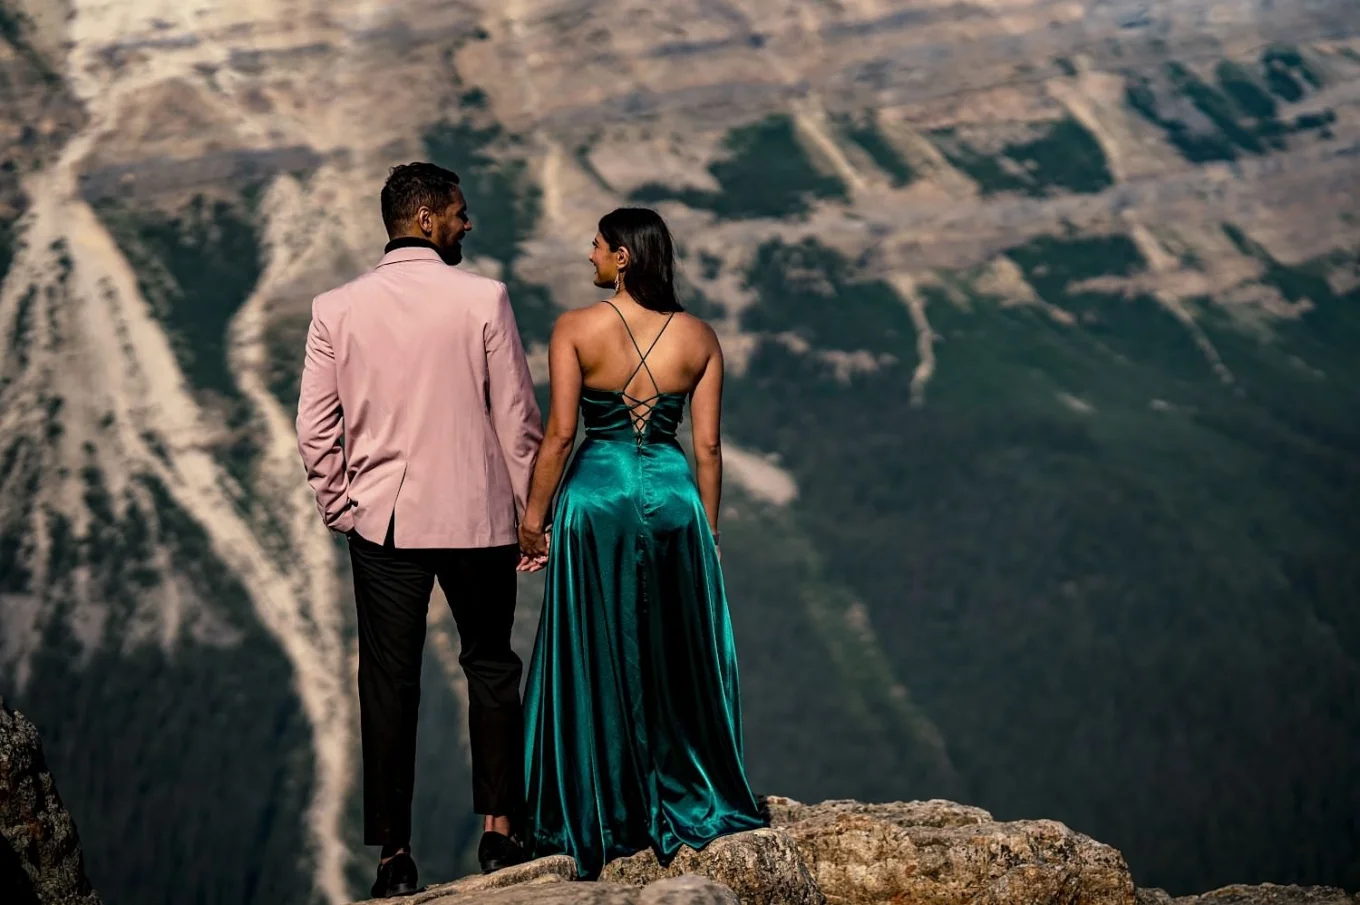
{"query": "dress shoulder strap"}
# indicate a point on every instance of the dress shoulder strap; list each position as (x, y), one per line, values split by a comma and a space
(642, 363)
(640, 409)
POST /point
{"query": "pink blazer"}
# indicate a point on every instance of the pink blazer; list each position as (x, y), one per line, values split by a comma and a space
(417, 401)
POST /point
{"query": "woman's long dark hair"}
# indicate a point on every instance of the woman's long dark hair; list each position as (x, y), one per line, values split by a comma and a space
(650, 275)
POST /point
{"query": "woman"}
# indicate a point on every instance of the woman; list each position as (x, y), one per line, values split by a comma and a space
(632, 707)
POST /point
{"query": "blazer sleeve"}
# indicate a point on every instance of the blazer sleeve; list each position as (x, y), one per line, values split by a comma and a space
(320, 428)
(514, 408)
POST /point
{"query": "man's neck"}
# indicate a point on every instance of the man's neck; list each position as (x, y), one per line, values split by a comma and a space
(409, 242)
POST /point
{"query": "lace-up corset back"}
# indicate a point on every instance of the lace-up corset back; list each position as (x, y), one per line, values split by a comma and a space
(639, 411)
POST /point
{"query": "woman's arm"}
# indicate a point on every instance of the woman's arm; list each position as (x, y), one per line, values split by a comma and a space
(564, 373)
(706, 416)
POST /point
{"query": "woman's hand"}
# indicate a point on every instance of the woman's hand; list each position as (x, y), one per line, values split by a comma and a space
(533, 547)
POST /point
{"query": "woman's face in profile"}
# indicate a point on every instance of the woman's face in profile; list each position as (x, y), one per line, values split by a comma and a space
(605, 261)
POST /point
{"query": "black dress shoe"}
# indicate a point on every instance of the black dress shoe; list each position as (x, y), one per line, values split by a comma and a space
(498, 850)
(396, 877)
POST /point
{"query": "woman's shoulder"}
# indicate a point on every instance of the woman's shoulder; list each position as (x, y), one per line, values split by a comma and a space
(697, 326)
(573, 320)
(588, 313)
(603, 315)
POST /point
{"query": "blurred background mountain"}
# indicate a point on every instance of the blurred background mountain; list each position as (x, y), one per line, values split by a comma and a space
(1043, 319)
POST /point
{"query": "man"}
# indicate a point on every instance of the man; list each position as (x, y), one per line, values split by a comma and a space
(418, 427)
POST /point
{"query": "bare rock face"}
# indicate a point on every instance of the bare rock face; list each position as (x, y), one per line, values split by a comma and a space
(941, 853)
(1264, 894)
(763, 867)
(935, 812)
(544, 881)
(40, 857)
(546, 893)
(37, 110)
(541, 872)
(687, 890)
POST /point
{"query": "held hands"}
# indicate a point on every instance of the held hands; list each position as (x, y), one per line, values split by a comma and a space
(535, 542)
(533, 547)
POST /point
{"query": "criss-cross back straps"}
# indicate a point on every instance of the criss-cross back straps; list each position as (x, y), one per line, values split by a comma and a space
(640, 410)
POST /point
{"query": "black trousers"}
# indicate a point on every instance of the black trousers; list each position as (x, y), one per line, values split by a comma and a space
(392, 590)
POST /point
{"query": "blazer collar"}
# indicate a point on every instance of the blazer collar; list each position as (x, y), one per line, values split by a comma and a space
(401, 250)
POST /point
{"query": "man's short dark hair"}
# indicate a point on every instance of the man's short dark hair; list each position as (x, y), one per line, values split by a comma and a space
(410, 187)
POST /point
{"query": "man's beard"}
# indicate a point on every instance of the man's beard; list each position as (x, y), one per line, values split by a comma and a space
(452, 254)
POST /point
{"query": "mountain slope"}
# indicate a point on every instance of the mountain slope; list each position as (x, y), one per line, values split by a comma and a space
(1042, 322)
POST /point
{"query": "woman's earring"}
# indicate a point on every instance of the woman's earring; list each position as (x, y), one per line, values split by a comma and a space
(618, 281)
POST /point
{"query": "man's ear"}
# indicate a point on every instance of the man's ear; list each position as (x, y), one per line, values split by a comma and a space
(425, 220)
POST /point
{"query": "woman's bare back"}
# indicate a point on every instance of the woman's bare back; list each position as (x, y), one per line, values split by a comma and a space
(624, 347)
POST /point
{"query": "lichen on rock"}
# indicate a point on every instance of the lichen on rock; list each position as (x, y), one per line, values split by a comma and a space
(763, 867)
(41, 862)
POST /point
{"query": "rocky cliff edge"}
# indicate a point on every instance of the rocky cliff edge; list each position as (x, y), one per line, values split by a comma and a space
(833, 853)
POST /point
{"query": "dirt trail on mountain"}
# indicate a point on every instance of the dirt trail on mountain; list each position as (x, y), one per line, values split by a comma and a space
(905, 287)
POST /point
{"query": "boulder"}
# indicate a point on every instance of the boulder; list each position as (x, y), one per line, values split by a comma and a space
(763, 867)
(939, 853)
(41, 862)
(935, 812)
(687, 890)
(1263, 894)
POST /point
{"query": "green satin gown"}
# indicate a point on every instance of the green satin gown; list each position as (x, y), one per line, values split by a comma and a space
(632, 707)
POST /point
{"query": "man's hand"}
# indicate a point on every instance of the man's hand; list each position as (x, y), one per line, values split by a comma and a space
(533, 547)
